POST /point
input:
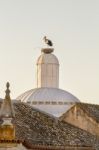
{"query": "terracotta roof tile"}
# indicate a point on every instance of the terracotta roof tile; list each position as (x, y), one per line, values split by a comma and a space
(36, 127)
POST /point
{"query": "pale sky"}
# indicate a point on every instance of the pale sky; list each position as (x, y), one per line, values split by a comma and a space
(72, 25)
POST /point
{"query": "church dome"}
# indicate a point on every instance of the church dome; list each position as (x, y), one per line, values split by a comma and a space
(51, 100)
(47, 96)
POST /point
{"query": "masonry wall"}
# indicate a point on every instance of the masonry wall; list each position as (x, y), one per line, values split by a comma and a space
(79, 118)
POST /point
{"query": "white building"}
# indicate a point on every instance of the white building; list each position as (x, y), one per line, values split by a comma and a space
(47, 96)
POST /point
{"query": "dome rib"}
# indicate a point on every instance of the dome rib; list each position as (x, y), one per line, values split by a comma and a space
(48, 59)
(47, 94)
(51, 100)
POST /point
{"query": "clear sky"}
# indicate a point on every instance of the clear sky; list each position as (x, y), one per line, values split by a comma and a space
(72, 25)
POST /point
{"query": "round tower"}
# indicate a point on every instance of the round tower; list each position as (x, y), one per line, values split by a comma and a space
(47, 69)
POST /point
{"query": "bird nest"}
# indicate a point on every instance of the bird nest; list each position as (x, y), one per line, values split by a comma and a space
(47, 50)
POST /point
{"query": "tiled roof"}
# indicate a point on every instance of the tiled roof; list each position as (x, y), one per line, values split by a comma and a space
(36, 127)
(39, 128)
(47, 147)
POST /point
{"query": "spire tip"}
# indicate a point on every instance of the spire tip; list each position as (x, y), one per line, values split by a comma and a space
(7, 90)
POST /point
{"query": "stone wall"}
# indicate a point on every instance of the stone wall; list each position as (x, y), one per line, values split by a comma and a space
(79, 118)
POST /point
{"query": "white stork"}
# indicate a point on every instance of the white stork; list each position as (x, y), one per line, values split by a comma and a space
(47, 41)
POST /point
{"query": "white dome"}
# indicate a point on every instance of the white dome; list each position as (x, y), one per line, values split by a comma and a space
(47, 59)
(51, 100)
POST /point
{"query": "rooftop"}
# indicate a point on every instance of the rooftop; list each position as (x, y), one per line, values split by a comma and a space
(36, 127)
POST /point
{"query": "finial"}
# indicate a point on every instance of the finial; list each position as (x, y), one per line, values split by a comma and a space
(7, 128)
(7, 85)
(7, 96)
(7, 110)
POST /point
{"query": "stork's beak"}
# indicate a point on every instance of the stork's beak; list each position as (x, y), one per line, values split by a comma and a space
(44, 37)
